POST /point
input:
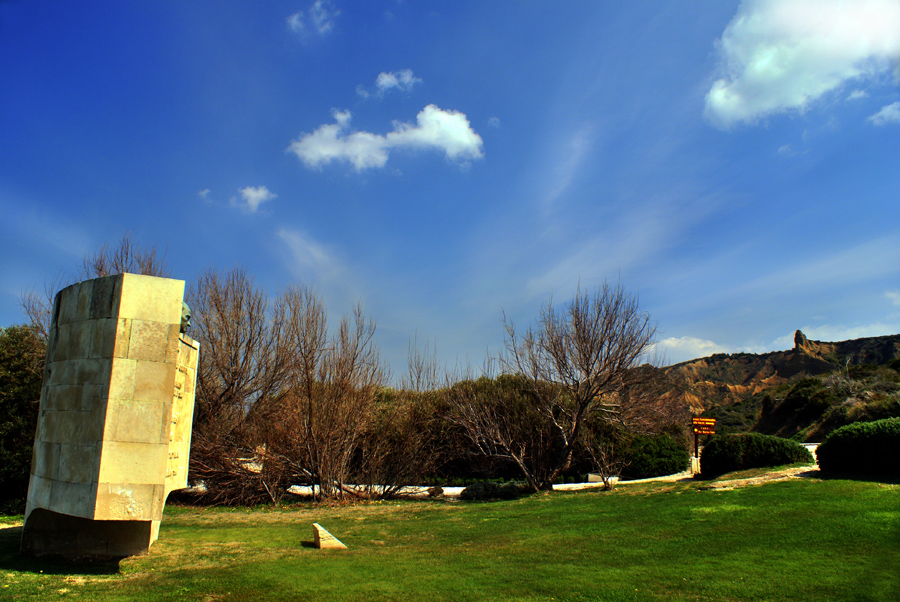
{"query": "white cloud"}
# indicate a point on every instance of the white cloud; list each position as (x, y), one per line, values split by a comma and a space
(494, 122)
(789, 151)
(402, 80)
(888, 114)
(781, 55)
(894, 296)
(857, 94)
(204, 194)
(318, 19)
(448, 131)
(253, 197)
(681, 349)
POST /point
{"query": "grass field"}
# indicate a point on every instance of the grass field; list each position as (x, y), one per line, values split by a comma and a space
(803, 539)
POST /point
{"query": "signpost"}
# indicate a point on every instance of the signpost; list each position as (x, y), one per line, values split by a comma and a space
(702, 426)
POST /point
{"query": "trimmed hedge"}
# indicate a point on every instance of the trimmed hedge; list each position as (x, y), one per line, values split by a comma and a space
(728, 453)
(655, 457)
(862, 447)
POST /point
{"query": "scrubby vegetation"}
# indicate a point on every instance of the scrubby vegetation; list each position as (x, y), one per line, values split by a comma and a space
(653, 456)
(728, 453)
(863, 448)
(812, 407)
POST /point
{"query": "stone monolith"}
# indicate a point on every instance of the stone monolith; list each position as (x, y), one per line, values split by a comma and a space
(114, 430)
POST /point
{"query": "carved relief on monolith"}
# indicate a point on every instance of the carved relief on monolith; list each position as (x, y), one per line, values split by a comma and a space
(114, 430)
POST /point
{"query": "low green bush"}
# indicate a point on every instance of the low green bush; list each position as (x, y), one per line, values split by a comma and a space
(489, 490)
(862, 447)
(654, 457)
(728, 453)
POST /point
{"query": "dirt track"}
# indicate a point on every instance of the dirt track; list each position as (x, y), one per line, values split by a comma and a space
(810, 470)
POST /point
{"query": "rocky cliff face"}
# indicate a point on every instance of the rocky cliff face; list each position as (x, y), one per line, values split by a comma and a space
(871, 350)
(725, 379)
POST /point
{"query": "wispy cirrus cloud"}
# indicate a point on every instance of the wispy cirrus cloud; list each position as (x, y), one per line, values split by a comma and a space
(309, 254)
(318, 19)
(571, 156)
(385, 82)
(868, 261)
(321, 266)
(252, 197)
(778, 56)
(435, 129)
(889, 114)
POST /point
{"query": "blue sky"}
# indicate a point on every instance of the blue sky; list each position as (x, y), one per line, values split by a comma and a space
(736, 164)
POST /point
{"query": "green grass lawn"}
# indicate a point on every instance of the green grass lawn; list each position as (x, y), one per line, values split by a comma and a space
(802, 539)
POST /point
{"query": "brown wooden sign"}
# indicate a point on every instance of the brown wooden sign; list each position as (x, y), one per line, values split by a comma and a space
(702, 426)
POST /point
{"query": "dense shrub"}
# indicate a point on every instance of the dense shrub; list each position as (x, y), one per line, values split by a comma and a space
(489, 490)
(728, 453)
(21, 357)
(655, 456)
(863, 447)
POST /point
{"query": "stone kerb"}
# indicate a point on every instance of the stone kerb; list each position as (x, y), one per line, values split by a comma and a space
(115, 417)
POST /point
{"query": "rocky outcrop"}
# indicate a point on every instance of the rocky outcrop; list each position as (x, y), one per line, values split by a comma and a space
(870, 350)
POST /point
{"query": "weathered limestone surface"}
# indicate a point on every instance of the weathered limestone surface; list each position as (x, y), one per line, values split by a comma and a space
(114, 429)
(325, 540)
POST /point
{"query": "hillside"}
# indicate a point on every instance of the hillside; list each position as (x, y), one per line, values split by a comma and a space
(804, 393)
(727, 379)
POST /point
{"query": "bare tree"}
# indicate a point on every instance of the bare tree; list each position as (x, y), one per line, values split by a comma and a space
(280, 402)
(648, 405)
(576, 362)
(329, 395)
(128, 257)
(603, 444)
(423, 370)
(38, 306)
(243, 367)
(243, 354)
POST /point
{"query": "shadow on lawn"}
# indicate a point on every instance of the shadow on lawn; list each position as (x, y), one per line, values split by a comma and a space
(811, 473)
(10, 559)
(865, 478)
